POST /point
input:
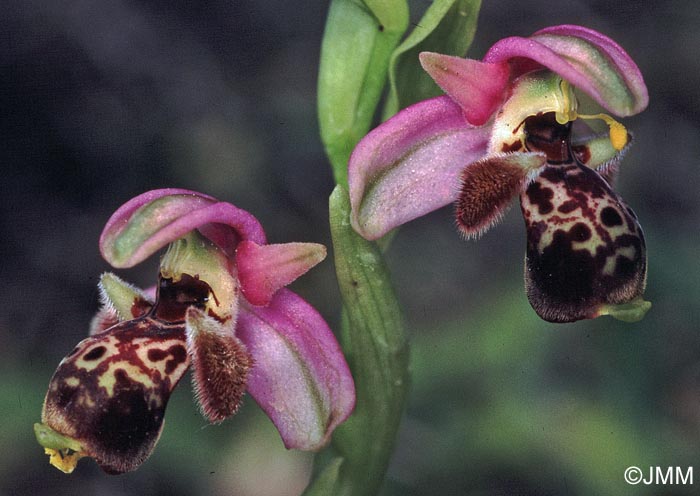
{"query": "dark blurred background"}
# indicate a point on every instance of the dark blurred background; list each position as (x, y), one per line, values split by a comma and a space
(101, 100)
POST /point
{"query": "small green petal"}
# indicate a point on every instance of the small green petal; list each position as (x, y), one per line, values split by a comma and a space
(123, 297)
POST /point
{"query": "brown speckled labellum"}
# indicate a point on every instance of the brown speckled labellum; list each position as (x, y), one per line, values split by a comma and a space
(585, 248)
(109, 394)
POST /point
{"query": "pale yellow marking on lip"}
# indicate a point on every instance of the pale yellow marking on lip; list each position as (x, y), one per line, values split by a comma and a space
(609, 267)
(146, 344)
(86, 400)
(611, 261)
(596, 240)
(108, 342)
(108, 379)
(155, 399)
(72, 381)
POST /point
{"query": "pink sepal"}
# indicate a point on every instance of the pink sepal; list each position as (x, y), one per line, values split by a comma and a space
(300, 378)
(410, 165)
(263, 269)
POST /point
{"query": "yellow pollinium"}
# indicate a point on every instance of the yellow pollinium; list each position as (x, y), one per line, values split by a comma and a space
(618, 132)
(569, 112)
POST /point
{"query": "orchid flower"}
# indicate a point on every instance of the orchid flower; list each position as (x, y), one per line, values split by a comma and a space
(220, 307)
(511, 125)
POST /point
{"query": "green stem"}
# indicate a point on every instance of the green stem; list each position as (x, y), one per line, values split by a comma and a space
(377, 351)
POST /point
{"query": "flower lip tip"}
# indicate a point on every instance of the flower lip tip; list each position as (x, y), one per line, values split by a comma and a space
(52, 439)
(632, 311)
(64, 452)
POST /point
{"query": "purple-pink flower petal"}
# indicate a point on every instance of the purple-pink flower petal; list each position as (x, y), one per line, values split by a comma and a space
(478, 87)
(585, 58)
(300, 377)
(263, 269)
(410, 165)
(150, 221)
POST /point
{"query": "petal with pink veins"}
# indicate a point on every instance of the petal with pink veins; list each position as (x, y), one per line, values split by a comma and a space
(410, 165)
(300, 377)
